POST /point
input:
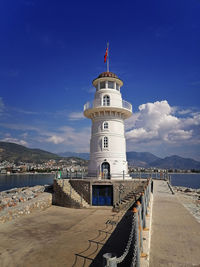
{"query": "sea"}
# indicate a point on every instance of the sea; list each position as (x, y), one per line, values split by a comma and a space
(22, 180)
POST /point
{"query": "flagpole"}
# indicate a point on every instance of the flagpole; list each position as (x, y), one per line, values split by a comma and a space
(108, 58)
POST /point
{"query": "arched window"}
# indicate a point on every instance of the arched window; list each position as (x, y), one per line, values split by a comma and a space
(106, 100)
(105, 142)
(105, 125)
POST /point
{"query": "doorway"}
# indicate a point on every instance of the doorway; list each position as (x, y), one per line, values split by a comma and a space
(105, 170)
(102, 195)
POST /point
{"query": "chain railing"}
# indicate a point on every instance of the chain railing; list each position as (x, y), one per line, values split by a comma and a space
(139, 213)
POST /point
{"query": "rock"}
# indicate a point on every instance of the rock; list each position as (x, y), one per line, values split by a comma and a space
(188, 190)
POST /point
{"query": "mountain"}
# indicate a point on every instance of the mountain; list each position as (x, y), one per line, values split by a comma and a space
(141, 159)
(176, 162)
(15, 153)
(146, 159)
(85, 156)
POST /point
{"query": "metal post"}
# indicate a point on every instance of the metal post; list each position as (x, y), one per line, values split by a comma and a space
(140, 224)
(82, 173)
(70, 174)
(123, 174)
(109, 260)
(137, 237)
(143, 211)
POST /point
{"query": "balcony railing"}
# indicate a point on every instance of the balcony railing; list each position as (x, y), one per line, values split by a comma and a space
(122, 104)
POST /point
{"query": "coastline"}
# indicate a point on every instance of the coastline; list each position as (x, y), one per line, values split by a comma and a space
(190, 199)
(27, 173)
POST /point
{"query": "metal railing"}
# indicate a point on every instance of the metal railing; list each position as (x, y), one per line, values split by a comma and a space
(81, 174)
(139, 213)
(122, 104)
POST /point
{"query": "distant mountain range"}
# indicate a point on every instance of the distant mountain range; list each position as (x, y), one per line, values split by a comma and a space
(16, 153)
(146, 159)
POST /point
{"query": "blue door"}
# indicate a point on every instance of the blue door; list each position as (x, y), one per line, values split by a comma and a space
(102, 195)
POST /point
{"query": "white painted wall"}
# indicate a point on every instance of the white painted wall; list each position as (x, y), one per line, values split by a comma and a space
(115, 154)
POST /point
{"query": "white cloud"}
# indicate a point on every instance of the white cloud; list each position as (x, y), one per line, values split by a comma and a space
(156, 123)
(55, 139)
(75, 140)
(76, 116)
(15, 140)
(2, 106)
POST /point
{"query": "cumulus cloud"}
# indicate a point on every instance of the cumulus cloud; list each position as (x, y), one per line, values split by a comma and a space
(157, 122)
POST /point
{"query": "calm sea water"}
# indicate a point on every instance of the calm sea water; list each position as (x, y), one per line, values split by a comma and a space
(21, 180)
(179, 179)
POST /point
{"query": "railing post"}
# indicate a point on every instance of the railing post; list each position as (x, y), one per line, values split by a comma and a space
(109, 260)
(70, 174)
(140, 224)
(143, 211)
(82, 173)
(135, 210)
(123, 174)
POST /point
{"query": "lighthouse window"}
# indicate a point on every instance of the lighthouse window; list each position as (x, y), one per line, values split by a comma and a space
(105, 142)
(117, 86)
(102, 85)
(111, 85)
(106, 100)
(105, 125)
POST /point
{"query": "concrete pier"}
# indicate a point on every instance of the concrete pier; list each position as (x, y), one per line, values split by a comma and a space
(175, 239)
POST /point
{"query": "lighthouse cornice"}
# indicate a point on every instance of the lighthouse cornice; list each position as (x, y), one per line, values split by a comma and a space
(98, 111)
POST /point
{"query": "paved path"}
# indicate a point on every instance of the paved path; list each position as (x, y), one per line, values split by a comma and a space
(52, 237)
(175, 239)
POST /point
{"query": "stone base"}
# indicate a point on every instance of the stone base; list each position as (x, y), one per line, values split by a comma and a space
(84, 187)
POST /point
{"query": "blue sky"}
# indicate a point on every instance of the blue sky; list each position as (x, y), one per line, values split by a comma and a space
(50, 51)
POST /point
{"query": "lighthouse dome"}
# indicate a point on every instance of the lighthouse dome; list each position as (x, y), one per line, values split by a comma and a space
(108, 74)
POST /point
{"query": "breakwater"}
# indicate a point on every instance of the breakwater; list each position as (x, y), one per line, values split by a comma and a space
(21, 201)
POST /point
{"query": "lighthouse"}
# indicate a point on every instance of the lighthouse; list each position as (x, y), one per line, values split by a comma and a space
(108, 112)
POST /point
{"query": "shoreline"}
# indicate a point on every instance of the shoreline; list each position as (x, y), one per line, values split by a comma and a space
(27, 173)
(190, 199)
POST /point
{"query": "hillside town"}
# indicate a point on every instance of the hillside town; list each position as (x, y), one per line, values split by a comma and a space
(71, 165)
(50, 166)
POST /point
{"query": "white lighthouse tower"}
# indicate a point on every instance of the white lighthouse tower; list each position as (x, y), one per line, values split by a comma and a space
(108, 145)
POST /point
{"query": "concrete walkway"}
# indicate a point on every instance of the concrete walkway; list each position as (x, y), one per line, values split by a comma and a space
(175, 239)
(51, 238)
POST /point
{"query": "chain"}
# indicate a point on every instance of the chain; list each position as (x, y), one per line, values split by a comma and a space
(135, 247)
(121, 258)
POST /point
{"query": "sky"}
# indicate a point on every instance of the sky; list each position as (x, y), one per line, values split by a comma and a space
(50, 51)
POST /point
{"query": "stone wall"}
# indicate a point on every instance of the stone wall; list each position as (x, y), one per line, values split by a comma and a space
(82, 188)
(122, 188)
(40, 202)
(60, 198)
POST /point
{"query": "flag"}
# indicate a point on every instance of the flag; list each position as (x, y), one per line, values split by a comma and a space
(106, 54)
